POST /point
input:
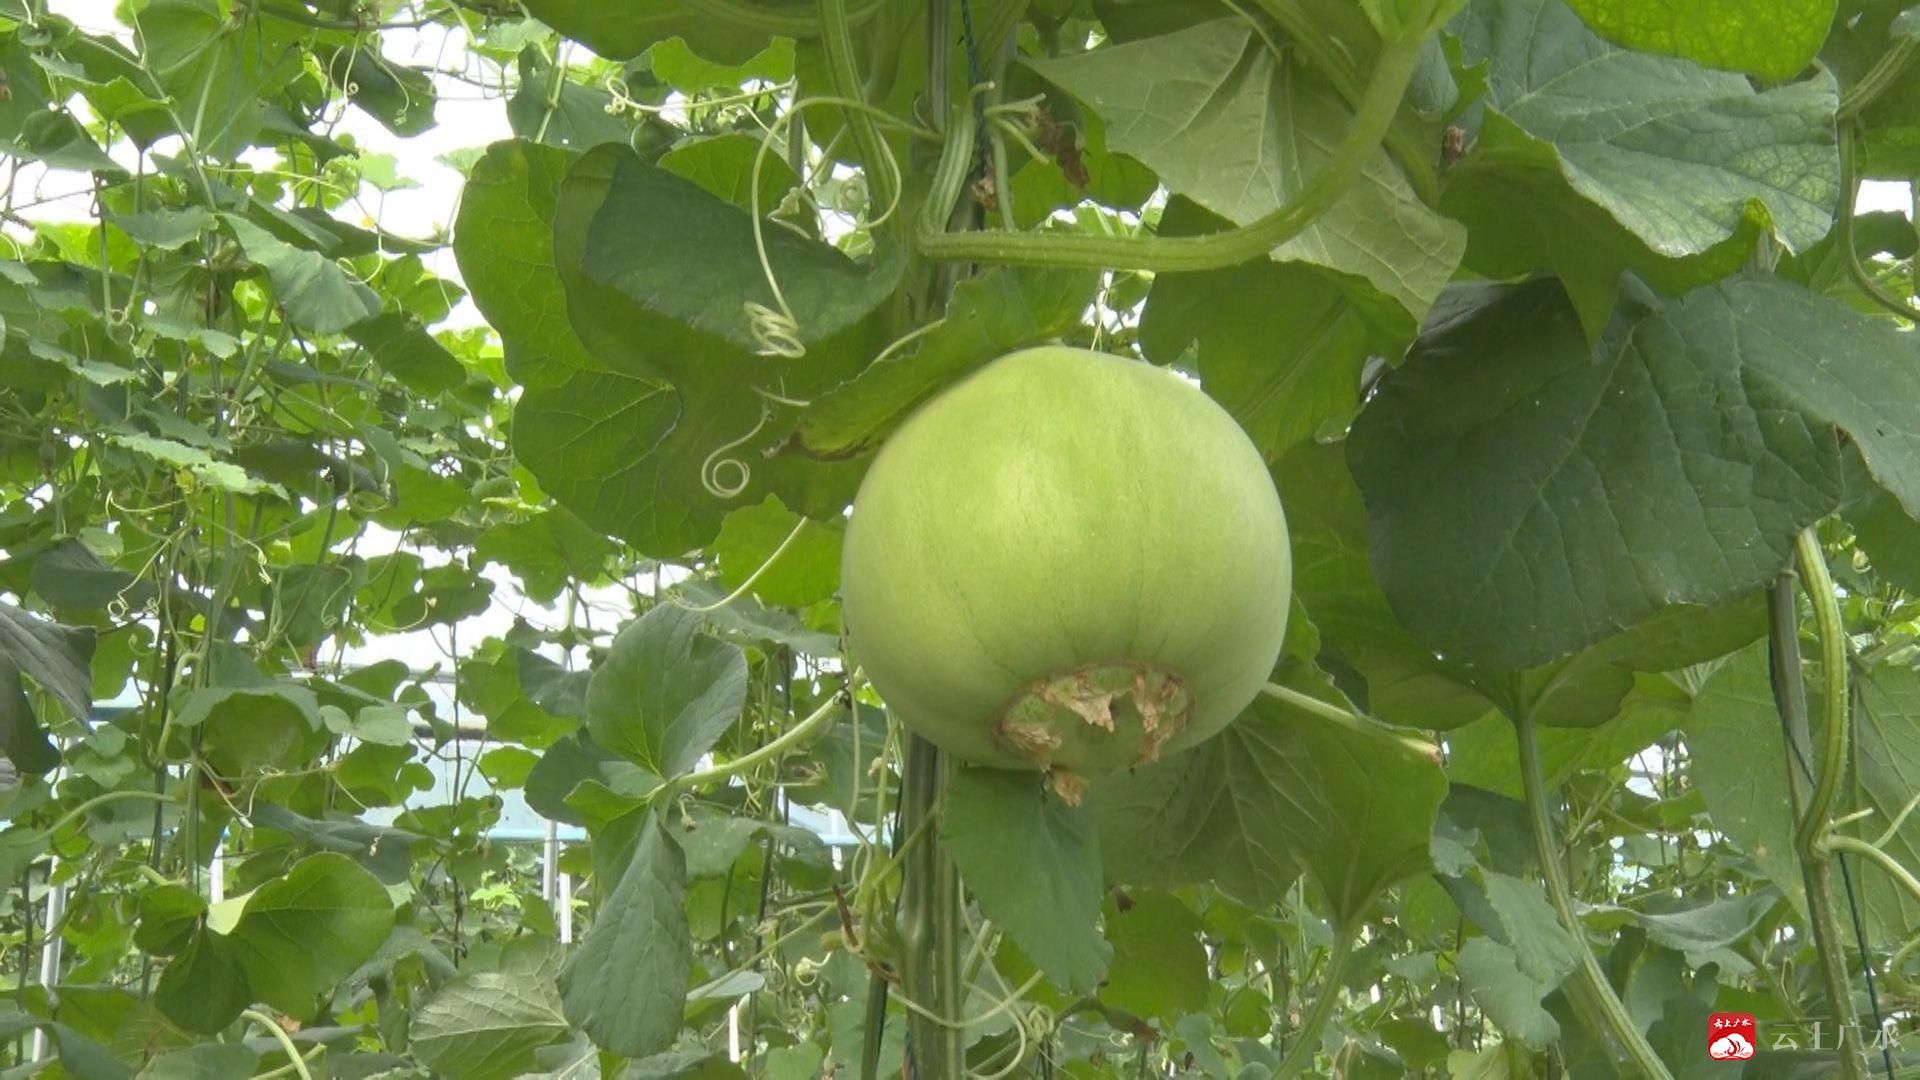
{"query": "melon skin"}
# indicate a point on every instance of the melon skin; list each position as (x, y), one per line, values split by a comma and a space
(1068, 561)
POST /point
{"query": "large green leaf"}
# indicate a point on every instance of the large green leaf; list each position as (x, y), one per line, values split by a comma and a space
(203, 989)
(56, 657)
(1406, 682)
(1887, 733)
(1212, 813)
(988, 316)
(503, 240)
(23, 739)
(318, 295)
(301, 933)
(1159, 964)
(487, 1021)
(1033, 864)
(208, 1061)
(1592, 159)
(1278, 790)
(626, 983)
(649, 241)
(1280, 345)
(1524, 958)
(623, 29)
(666, 691)
(248, 727)
(1740, 768)
(216, 71)
(1226, 124)
(1529, 495)
(1774, 39)
(408, 353)
(658, 274)
(808, 565)
(1360, 802)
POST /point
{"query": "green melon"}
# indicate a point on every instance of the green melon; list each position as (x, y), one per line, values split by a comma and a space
(1068, 561)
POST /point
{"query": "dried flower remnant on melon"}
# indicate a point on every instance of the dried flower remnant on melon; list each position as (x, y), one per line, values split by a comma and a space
(1119, 715)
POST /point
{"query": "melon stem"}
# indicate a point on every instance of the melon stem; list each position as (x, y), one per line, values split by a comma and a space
(1352, 721)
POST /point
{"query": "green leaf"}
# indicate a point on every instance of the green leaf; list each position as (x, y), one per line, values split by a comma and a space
(401, 98)
(560, 111)
(648, 241)
(318, 295)
(23, 738)
(58, 658)
(1483, 754)
(1279, 345)
(545, 551)
(486, 1022)
(1159, 965)
(1213, 813)
(1704, 932)
(666, 692)
(1891, 538)
(1671, 463)
(626, 984)
(408, 353)
(1033, 864)
(218, 74)
(169, 916)
(676, 64)
(71, 577)
(989, 315)
(623, 29)
(204, 988)
(247, 728)
(574, 761)
(808, 570)
(1526, 956)
(1406, 682)
(746, 619)
(1887, 735)
(1359, 802)
(1740, 768)
(222, 475)
(1510, 997)
(1222, 122)
(211, 1061)
(1774, 39)
(301, 933)
(1592, 160)
(503, 242)
(724, 165)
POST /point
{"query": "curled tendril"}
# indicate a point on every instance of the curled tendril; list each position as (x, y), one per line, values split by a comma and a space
(715, 467)
(781, 317)
(777, 399)
(623, 101)
(774, 333)
(1040, 1022)
(806, 972)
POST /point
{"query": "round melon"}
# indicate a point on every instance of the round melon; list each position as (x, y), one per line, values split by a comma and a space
(1068, 561)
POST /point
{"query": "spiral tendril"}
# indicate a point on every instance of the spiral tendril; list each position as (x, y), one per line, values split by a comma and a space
(716, 464)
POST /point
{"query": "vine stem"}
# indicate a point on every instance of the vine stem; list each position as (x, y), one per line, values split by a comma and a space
(1378, 106)
(1307, 1039)
(1790, 699)
(1364, 725)
(1834, 713)
(929, 925)
(1900, 874)
(836, 35)
(792, 737)
(1599, 996)
(267, 1023)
